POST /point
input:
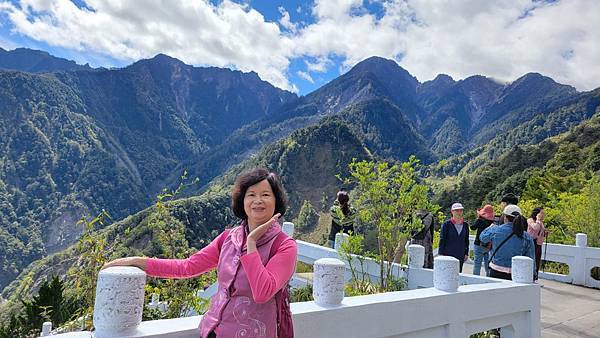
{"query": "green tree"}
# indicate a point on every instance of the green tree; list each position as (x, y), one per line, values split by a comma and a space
(50, 304)
(580, 212)
(386, 197)
(308, 217)
(170, 241)
(91, 248)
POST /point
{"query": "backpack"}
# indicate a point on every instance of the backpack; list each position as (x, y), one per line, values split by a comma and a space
(285, 326)
(420, 234)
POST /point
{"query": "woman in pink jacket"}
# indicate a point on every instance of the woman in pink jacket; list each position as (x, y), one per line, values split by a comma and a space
(249, 272)
(535, 228)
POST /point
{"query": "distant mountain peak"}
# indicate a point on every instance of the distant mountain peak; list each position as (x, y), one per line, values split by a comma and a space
(29, 50)
(443, 78)
(159, 59)
(537, 79)
(440, 83)
(381, 67)
(530, 77)
(36, 61)
(377, 60)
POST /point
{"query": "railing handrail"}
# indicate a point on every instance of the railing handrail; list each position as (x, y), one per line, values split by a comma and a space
(520, 317)
(580, 259)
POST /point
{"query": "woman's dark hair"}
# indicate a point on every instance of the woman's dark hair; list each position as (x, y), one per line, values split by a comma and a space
(510, 198)
(519, 225)
(535, 212)
(250, 178)
(343, 198)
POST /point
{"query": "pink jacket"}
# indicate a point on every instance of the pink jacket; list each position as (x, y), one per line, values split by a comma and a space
(536, 230)
(244, 305)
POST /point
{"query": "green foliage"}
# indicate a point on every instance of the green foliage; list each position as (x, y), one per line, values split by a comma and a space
(162, 231)
(168, 239)
(91, 250)
(485, 334)
(386, 197)
(307, 218)
(72, 143)
(533, 130)
(302, 267)
(538, 172)
(353, 252)
(302, 294)
(376, 122)
(570, 212)
(50, 304)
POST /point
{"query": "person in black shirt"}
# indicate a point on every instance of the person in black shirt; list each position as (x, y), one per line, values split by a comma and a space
(481, 251)
(424, 237)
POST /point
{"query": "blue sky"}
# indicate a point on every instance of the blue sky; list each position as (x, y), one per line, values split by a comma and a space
(300, 45)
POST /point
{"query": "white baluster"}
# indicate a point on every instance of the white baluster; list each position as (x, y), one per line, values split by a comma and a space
(445, 273)
(328, 281)
(119, 301)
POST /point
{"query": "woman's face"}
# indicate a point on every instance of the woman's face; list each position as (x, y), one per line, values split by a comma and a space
(458, 213)
(541, 215)
(259, 203)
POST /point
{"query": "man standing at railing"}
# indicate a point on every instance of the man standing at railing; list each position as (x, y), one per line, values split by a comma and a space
(507, 199)
(454, 236)
(424, 236)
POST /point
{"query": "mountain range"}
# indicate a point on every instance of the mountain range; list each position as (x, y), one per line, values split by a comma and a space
(76, 140)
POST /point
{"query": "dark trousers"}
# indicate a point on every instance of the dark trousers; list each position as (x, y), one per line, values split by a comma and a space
(212, 335)
(499, 274)
(538, 259)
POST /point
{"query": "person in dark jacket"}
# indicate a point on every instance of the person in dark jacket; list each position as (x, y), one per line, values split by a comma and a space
(424, 236)
(342, 216)
(485, 219)
(454, 236)
(507, 199)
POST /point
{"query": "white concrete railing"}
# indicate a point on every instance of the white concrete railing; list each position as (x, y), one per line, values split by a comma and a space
(579, 257)
(516, 306)
(400, 314)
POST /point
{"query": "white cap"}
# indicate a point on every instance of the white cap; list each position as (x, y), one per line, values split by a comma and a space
(511, 209)
(457, 206)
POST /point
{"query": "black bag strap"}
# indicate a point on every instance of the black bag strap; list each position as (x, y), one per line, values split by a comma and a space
(499, 246)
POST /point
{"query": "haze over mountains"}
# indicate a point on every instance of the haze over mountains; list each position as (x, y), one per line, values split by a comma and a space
(75, 140)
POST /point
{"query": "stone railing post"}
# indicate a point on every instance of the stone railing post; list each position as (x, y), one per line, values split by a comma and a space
(119, 301)
(340, 238)
(522, 269)
(445, 273)
(416, 256)
(288, 228)
(328, 281)
(579, 272)
(581, 240)
(46, 328)
(522, 272)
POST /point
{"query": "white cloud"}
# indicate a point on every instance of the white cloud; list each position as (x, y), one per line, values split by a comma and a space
(305, 76)
(285, 21)
(462, 38)
(196, 32)
(320, 65)
(503, 39)
(7, 44)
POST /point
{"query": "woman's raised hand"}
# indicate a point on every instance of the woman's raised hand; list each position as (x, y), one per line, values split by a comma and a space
(260, 230)
(139, 262)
